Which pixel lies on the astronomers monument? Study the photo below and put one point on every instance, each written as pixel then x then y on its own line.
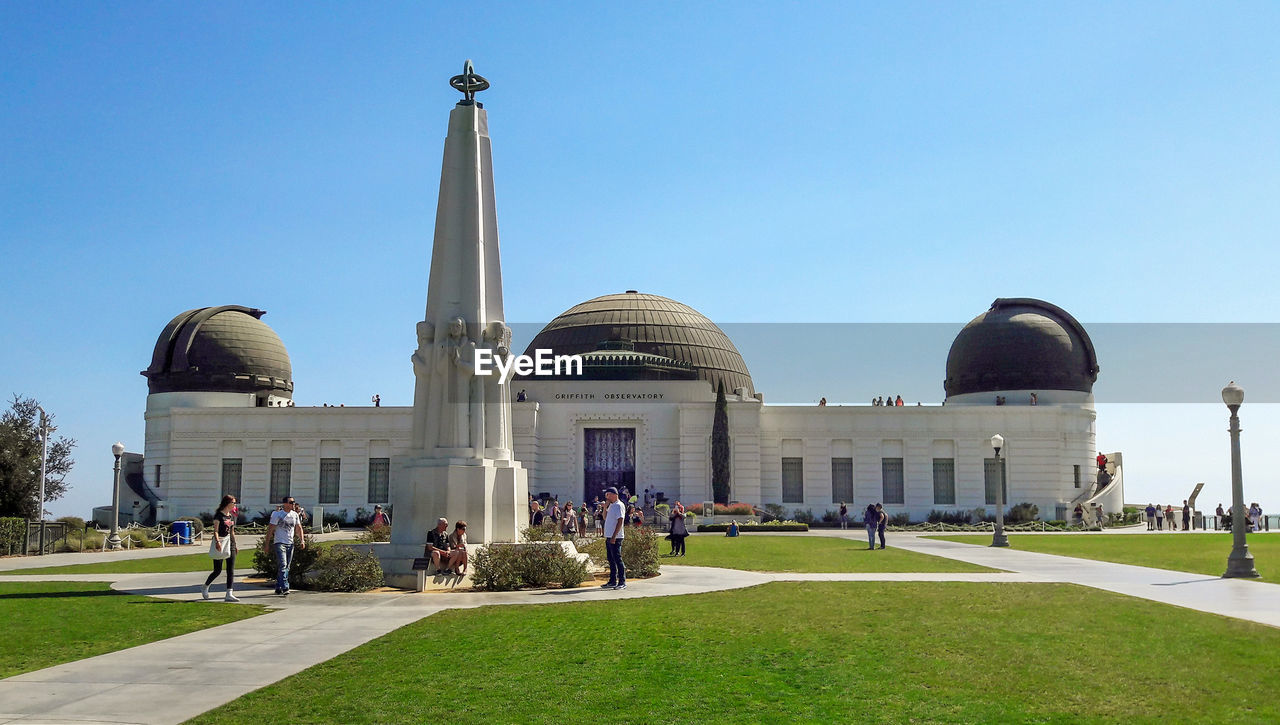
pixel 460 463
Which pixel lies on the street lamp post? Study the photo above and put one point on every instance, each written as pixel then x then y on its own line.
pixel 113 541
pixel 44 456
pixel 998 538
pixel 1240 562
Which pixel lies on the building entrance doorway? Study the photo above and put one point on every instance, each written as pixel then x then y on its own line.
pixel 608 459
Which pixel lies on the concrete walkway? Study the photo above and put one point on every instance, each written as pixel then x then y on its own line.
pixel 169 681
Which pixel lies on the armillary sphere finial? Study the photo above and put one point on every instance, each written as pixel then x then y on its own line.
pixel 469 83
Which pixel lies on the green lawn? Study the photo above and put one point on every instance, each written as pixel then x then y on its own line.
pixel 1198 553
pixel 792 652
pixel 160 564
pixel 48 623
pixel 766 552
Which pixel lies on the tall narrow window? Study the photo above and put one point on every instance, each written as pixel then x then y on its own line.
pixel 330 479
pixel 1075 475
pixel 792 480
pixel 379 480
pixel 993 476
pixel 841 480
pixel 891 473
pixel 944 481
pixel 231 468
pixel 281 473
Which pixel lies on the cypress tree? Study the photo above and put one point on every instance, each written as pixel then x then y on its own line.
pixel 720 448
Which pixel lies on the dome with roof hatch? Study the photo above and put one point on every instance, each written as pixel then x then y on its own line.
pixel 634 336
pixel 226 349
pixel 1021 344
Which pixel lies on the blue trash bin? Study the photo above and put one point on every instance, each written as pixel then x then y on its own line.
pixel 181 532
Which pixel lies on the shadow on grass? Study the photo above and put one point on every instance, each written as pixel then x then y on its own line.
pixel 59 595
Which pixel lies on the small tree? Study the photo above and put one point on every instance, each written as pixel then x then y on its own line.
pixel 720 448
pixel 20 450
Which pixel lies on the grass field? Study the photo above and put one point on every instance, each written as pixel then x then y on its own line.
pixel 1198 553
pixel 765 552
pixel 160 564
pixel 48 623
pixel 787 652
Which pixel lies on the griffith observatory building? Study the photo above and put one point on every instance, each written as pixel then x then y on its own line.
pixel 220 416
pixel 220 419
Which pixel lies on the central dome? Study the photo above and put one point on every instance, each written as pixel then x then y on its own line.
pixel 653 326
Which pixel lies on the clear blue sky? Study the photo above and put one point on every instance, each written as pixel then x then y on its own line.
pixel 762 162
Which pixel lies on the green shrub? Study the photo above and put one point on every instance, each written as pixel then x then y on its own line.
pixel 206 518
pixel 545 532
pixel 532 565
pixel 640 552
pixel 804 516
pixel 773 512
pixel 73 523
pixel 332 519
pixel 948 517
pixel 372 534
pixel 1022 513
pixel 344 569
pixel 264 562
pixel 13 535
pixel 902 519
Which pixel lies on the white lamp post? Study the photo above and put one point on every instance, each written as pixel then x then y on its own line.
pixel 44 456
pixel 113 541
pixel 1240 562
pixel 998 538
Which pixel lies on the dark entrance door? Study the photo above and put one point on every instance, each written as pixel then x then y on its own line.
pixel 608 459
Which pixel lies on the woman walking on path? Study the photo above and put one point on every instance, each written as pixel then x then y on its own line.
pixel 678 530
pixel 871 519
pixel 223 546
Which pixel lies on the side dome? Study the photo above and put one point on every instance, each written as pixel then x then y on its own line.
pixel 1021 344
pixel 652 337
pixel 225 349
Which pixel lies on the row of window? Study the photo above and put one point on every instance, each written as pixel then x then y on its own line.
pixel 330 479
pixel 893 483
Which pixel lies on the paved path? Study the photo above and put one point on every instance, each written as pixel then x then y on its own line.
pixel 165 681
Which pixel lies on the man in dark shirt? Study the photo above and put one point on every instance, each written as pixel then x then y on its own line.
pixel 438 547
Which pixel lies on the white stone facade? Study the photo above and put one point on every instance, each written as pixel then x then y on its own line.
pixel 1044 445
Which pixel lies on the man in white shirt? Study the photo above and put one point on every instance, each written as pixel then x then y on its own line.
pixel 615 517
pixel 281 532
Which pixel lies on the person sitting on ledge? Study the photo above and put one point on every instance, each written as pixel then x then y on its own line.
pixel 733 529
pixel 458 540
pixel 438 548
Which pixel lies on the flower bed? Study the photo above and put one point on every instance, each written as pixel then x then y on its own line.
pixel 756 528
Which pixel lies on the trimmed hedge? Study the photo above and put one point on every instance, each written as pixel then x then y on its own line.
pixel 13 535
pixel 749 528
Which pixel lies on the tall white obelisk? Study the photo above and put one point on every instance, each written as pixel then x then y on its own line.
pixel 460 465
